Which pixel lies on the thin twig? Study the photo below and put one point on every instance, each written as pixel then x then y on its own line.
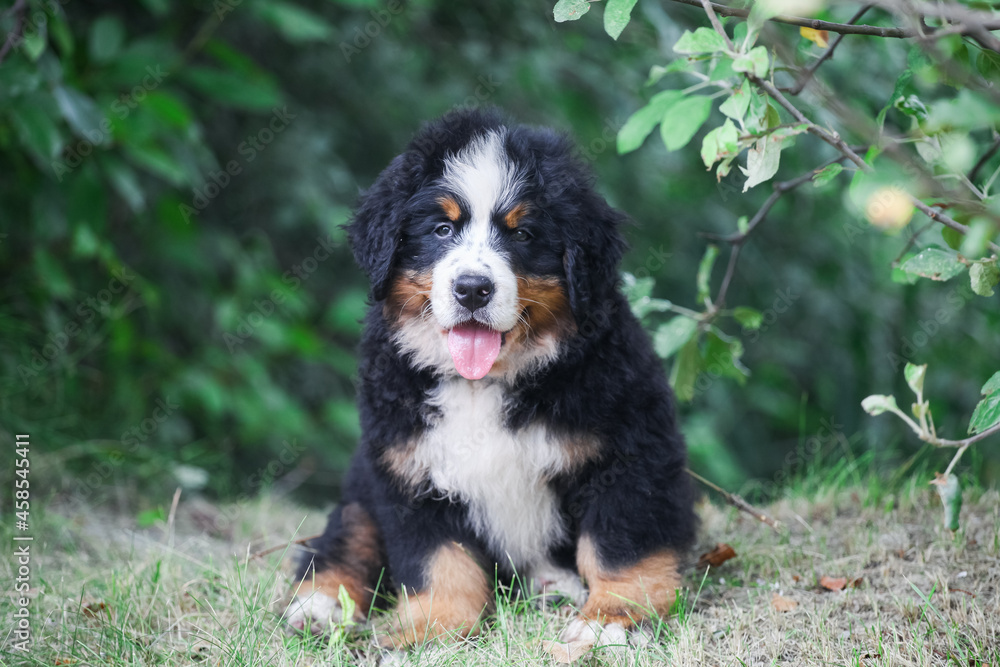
pixel 827 55
pixel 738 239
pixel 946 220
pixel 910 242
pixel 990 152
pixel 708 7
pixel 300 542
pixel 839 28
pixel 829 137
pixel 738 502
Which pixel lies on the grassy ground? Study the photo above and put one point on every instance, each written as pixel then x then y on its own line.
pixel 185 592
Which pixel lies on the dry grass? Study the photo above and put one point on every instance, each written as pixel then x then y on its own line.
pixel 107 593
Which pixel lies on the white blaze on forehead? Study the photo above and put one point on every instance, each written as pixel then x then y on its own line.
pixel 484 177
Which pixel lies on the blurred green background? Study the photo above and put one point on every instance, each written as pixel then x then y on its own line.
pixel 178 304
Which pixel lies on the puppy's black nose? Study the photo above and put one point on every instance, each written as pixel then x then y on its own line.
pixel 473 291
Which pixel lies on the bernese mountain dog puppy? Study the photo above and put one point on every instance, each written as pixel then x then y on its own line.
pixel 516 423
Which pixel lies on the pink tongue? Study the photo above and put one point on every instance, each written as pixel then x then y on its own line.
pixel 473 348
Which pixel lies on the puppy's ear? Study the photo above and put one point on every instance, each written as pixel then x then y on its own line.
pixel 376 229
pixel 592 257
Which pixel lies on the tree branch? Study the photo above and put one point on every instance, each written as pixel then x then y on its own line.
pixel 737 240
pixel 839 28
pixel 737 502
pixel 946 220
pixel 827 55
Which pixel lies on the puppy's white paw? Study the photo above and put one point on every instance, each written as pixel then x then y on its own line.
pixel 582 631
pixel 581 636
pixel 313 613
pixel 551 583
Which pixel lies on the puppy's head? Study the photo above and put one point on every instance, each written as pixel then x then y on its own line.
pixel 486 246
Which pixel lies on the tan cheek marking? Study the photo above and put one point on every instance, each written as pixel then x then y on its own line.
pixel 408 295
pixel 450 208
pixel 451 606
pixel 513 217
pixel 546 306
pixel 624 595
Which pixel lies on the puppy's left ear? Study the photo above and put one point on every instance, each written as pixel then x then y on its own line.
pixel 376 229
pixel 594 250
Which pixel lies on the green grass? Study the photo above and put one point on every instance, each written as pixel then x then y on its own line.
pixel 187 592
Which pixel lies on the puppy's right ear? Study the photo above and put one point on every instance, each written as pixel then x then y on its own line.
pixel 376 229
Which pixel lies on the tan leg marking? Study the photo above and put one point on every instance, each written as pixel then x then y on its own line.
pixel 625 595
pixel 451 606
pixel 356 567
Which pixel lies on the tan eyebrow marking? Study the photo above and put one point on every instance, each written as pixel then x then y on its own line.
pixel 451 208
pixel 513 217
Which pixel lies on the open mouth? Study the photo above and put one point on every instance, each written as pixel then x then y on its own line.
pixel 474 347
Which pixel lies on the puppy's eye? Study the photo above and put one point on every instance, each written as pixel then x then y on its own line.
pixel 522 235
pixel 444 231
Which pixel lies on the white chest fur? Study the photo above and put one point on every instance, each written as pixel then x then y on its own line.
pixel 501 475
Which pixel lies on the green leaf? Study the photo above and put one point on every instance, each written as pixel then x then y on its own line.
pixel 107 34
pixel 673 335
pixel 37 131
pixel 52 275
pixel 952 237
pixel 617 15
pixel 755 62
pixel 169 108
pixel 951 499
pixel 722 357
pixel 82 115
pixel 934 263
pixel 827 174
pixel 296 24
pixel 641 123
pixel 685 370
pixel 233 89
pixel 705 272
pixel 915 377
pixel 570 10
pixel 720 143
pixel 702 40
pixel 912 106
pixel 771 117
pixel 682 120
pixel 762 161
pixel 988 64
pixel 742 224
pixel 347 604
pixel 722 67
pixel 984 276
pixel 158 162
pixel 986 415
pixel 877 404
pixel 736 105
pixel 657 72
pixel 992 385
pixel 748 317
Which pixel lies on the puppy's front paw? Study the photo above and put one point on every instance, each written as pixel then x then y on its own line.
pixel 313 613
pixel 581 635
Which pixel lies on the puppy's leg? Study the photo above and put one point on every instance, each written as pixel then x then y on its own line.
pixel 349 554
pixel 621 595
pixel 447 604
